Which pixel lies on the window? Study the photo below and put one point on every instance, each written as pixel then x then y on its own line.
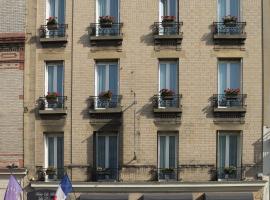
pixel 228 7
pixel 168 79
pixel 229 154
pixel 168 8
pixel 56 8
pixel 107 80
pixel 167 155
pixel 54 82
pixel 54 154
pixel 107 155
pixel 229 76
pixel 108 8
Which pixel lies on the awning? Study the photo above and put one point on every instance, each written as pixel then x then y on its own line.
pixel 112 196
pixel 229 196
pixel 167 196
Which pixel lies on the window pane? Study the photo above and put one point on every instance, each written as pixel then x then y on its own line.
pixel 51 152
pixel 172 156
pixel 102 7
pixel 162 151
pixel 234 8
pixel 114 9
pixel 101 79
pixel 113 152
pixel 60 80
pixel 235 74
pixel 61 12
pixel 172 11
pixel 52 8
pixel 113 79
pixel 173 77
pixel 50 78
pixel 60 152
pixel 101 151
pixel 222 77
pixel 162 76
pixel 222 151
pixel 233 150
pixel 222 9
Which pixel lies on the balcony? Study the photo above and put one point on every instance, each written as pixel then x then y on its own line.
pixel 229 108
pixel 106 34
pixel 53 35
pixel 230 173
pixel 229 33
pixel 52 107
pixel 49 174
pixel 105 110
pixel 168 174
pixel 167 34
pixel 105 175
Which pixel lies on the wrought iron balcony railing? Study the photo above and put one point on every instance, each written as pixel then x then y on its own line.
pixel 168 174
pixel 173 101
pixel 223 100
pixel 97 102
pixel 106 29
pixel 230 173
pixel 50 104
pixel 50 174
pixel 235 28
pixel 56 31
pixel 106 174
pixel 167 28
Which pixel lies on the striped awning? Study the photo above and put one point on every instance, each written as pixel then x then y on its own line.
pixel 229 196
pixel 167 196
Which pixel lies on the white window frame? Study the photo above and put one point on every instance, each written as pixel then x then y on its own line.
pixel 108 3
pixel 228 9
pixel 167 135
pixel 227 154
pixel 55 65
pixel 107 135
pixel 107 64
pixel 46 138
pixel 161 11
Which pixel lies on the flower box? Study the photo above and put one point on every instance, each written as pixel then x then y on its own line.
pixel 231 93
pixel 229 20
pixel 168 21
pixel 166 94
pixel 105 95
pixel 106 21
pixel 52 23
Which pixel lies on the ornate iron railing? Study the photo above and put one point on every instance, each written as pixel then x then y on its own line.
pixel 168 174
pixel 223 100
pixel 235 28
pixel 58 103
pixel 106 29
pixel 173 101
pixel 106 174
pixel 97 102
pixel 167 28
pixel 58 30
pixel 230 173
pixel 51 173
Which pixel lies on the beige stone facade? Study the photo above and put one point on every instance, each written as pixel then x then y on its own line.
pixel 197 129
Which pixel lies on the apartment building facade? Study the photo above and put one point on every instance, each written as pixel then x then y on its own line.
pixel 142 97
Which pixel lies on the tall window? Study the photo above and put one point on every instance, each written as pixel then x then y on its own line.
pixel 229 154
pixel 108 8
pixel 107 80
pixel 167 155
pixel 168 8
pixel 228 7
pixel 107 155
pixel 56 8
pixel 54 154
pixel 54 82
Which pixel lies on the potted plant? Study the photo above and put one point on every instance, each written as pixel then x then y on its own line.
pixel 51 97
pixel 167 21
pixel 103 173
pixel 229 171
pixel 40 173
pixel 51 172
pixel 107 95
pixel 166 94
pixel 52 23
pixel 231 93
pixel 229 20
pixel 106 21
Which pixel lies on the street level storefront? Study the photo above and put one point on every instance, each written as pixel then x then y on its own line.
pixel 249 190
